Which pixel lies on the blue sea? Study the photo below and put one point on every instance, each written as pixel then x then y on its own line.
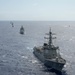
pixel 16 50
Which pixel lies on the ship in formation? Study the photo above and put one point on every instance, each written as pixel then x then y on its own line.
pixel 12 24
pixel 49 54
pixel 22 30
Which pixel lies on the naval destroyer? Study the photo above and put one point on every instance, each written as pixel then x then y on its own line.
pixel 49 54
pixel 21 30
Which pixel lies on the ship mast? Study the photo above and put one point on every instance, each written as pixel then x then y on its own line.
pixel 50 38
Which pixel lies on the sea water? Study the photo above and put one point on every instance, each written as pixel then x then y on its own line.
pixel 16 50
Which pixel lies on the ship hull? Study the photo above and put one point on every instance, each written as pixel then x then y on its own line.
pixel 49 63
pixel 39 56
pixel 53 65
pixel 21 31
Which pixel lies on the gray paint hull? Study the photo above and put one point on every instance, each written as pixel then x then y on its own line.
pixel 53 65
pixel 49 63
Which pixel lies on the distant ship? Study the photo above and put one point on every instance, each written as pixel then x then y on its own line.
pixel 49 55
pixel 21 30
pixel 12 24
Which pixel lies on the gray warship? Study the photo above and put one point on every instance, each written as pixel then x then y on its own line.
pixel 21 30
pixel 49 54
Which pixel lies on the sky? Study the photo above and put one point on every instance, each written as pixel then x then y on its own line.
pixel 37 10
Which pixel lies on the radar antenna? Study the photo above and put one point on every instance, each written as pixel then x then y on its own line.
pixel 50 38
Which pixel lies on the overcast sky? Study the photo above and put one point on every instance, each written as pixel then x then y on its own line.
pixel 49 10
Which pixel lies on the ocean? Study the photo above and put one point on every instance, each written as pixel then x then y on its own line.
pixel 16 50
